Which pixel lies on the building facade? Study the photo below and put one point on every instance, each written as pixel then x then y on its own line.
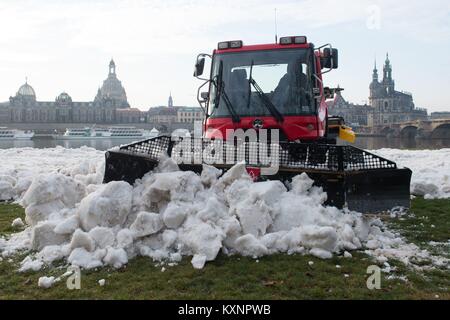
pixel 162 114
pixel 189 114
pixel 390 106
pixel 354 115
pixel 110 105
pixel 386 105
pixel 175 114
pixel 440 115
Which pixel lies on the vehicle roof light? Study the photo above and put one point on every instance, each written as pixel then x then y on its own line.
pixel 300 40
pixel 236 44
pixel 230 44
pixel 293 40
pixel 223 45
pixel 286 40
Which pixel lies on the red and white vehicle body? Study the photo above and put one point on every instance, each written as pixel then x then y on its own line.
pixel 289 76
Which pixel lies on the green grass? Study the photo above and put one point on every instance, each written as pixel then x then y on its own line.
pixel 429 221
pixel 273 277
pixel 9 212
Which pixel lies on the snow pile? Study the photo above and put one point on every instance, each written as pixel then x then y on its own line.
pixel 19 166
pixel 431 170
pixel 169 214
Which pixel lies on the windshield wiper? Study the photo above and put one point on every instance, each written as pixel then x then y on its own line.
pixel 220 86
pixel 234 116
pixel 266 101
pixel 250 85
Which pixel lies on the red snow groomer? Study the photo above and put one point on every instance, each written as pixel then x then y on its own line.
pixel 276 89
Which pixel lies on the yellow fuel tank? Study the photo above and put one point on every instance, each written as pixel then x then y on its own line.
pixel 347 134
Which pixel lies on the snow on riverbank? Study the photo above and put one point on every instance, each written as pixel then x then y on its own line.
pixel 431 170
pixel 169 214
pixel 19 166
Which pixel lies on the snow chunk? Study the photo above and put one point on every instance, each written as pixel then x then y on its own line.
pixel 49 193
pixel 125 238
pixel 46 282
pixel 201 238
pixel 17 223
pixel 237 172
pixel 146 223
pixel 174 215
pixel 198 261
pixel 116 257
pixel 103 237
pixel 210 175
pixel 84 259
pixel 321 253
pixel 248 245
pixel 43 235
pixel 319 237
pixel 53 253
pixel 178 185
pixel 106 207
pixel 7 184
pixel 81 239
pixel 28 264
pixel 68 226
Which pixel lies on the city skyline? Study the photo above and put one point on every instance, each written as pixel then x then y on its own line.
pixel 63 46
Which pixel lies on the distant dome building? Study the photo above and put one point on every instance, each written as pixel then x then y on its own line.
pixel 25 96
pixel 112 93
pixel 27 91
pixel 64 98
pixel 63 101
pixel 109 106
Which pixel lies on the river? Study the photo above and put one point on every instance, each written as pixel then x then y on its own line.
pixel 369 143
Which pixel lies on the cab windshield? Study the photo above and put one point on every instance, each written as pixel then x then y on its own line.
pixel 262 83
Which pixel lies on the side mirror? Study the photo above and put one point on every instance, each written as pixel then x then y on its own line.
pixel 330 59
pixel 199 66
pixel 204 95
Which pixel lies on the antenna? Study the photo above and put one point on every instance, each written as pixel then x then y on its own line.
pixel 276 27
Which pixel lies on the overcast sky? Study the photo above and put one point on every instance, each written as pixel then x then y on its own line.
pixel 66 45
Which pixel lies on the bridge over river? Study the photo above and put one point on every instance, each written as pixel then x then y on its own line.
pixel 427 129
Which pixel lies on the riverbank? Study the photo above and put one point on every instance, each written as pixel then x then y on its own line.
pixel 278 276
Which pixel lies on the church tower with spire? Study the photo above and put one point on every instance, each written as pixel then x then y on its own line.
pixel 170 102
pixel 388 82
pixel 375 84
pixel 375 72
pixel 390 106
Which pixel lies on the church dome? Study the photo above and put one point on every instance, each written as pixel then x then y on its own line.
pixel 64 97
pixel 26 90
pixel 112 89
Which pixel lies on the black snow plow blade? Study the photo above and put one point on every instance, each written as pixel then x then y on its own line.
pixel 351 177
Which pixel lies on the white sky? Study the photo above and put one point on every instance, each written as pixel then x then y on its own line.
pixel 67 45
